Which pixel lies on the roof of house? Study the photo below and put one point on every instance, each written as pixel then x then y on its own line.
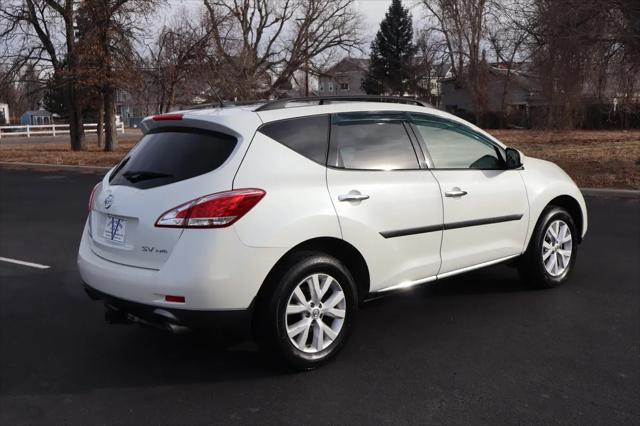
pixel 348 64
pixel 516 74
pixel 441 69
pixel 38 113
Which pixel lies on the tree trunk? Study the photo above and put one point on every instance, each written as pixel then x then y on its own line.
pixel 171 98
pixel 503 98
pixel 111 136
pixel 76 123
pixel 100 128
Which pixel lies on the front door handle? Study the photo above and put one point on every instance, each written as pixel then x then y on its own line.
pixel 352 197
pixel 455 192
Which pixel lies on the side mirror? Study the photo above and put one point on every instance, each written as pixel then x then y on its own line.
pixel 513 159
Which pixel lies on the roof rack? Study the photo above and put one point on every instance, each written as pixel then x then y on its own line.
pixel 202 106
pixel 224 104
pixel 323 100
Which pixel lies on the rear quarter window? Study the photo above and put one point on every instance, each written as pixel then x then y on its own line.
pixel 308 136
pixel 170 156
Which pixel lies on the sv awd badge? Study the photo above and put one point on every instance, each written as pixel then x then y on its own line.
pixel 148 249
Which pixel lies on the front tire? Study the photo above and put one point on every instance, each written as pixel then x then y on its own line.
pixel 310 307
pixel 551 255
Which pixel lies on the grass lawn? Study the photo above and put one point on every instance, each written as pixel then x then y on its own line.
pixel 55 150
pixel 597 159
pixel 594 159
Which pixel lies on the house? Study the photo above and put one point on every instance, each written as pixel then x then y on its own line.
pixel 513 94
pixel 344 78
pixel 437 73
pixel 4 113
pixel 132 109
pixel 36 118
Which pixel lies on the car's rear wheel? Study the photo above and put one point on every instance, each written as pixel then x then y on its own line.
pixel 551 255
pixel 306 316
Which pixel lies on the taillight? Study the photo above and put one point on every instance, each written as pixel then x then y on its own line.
pixel 212 211
pixel 92 197
pixel 167 117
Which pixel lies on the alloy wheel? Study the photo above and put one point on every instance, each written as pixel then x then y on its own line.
pixel 557 246
pixel 315 313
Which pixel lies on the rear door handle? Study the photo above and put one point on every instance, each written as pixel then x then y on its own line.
pixel 455 192
pixel 352 197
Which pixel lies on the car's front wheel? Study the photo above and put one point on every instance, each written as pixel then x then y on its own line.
pixel 551 255
pixel 311 306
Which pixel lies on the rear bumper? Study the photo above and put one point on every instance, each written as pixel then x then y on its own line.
pixel 171 319
pixel 213 271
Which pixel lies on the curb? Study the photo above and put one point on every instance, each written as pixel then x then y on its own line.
pixel 587 192
pixel 611 193
pixel 66 167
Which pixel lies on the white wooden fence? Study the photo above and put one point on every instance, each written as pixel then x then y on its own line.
pixel 49 129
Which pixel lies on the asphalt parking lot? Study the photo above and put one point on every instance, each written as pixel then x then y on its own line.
pixel 476 349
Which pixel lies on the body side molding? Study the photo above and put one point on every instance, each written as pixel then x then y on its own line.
pixel 447 226
pixel 478 222
pixel 411 231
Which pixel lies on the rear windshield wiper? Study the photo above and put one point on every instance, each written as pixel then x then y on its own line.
pixel 118 168
pixel 140 175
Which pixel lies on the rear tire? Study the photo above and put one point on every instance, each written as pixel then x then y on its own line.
pixel 307 311
pixel 551 255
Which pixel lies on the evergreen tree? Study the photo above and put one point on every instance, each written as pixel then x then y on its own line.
pixel 54 99
pixel 391 53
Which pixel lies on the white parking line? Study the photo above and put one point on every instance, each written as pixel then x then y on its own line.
pixel 23 263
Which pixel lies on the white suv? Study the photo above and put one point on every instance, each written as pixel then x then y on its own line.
pixel 286 215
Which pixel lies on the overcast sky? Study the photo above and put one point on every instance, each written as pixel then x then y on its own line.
pixel 372 11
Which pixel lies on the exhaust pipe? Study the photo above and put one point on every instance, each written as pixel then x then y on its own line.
pixel 115 316
pixel 163 320
pixel 177 329
pixel 171 321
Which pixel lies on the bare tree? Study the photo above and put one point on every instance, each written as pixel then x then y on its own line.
pixel 258 45
pixel 177 60
pixel 624 55
pixel 509 31
pixel 564 36
pixel 144 86
pixel 109 29
pixel 462 25
pixel 428 57
pixel 21 87
pixel 43 31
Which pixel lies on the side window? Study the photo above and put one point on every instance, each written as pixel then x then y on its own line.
pixel 453 147
pixel 308 136
pixel 370 144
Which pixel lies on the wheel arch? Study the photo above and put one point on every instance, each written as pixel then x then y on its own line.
pixel 338 248
pixel 567 202
pixel 572 206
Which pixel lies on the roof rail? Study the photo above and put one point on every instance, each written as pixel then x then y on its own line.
pixel 323 100
pixel 224 104
pixel 203 106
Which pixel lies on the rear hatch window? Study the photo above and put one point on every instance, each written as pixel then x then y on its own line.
pixel 172 155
